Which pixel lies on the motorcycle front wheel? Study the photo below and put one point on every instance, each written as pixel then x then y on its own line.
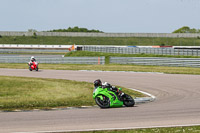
pixel 105 103
pixel 30 69
pixel 128 101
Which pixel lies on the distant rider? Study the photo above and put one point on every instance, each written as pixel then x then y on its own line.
pixel 98 83
pixel 32 60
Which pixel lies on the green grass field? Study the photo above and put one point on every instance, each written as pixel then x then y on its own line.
pixel 131 41
pixel 31 93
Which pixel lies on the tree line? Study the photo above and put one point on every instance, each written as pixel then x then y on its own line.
pixel 75 29
pixel 186 29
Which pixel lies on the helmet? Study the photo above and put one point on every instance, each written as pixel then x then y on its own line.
pixel 32 57
pixel 97 83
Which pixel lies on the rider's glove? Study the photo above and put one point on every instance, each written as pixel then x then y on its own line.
pixel 121 94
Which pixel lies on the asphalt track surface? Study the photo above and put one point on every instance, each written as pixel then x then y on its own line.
pixel 177 103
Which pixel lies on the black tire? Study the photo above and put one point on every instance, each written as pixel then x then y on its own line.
pixel 128 101
pixel 30 69
pixel 103 103
pixel 36 68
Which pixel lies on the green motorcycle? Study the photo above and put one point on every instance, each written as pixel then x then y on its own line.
pixel 106 98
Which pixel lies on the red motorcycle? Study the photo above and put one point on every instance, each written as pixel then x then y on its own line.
pixel 33 66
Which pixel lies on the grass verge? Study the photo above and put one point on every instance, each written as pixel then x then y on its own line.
pixel 145 41
pixel 190 129
pixel 31 93
pixel 89 53
pixel 108 55
pixel 110 67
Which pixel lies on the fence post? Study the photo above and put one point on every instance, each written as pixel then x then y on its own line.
pixel 98 60
pixel 183 52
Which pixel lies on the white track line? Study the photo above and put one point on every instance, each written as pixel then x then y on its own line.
pixel 119 71
pixel 146 93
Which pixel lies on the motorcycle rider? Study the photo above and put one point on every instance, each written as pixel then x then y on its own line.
pixel 32 60
pixel 98 83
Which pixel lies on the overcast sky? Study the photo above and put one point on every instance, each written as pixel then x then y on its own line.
pixel 143 16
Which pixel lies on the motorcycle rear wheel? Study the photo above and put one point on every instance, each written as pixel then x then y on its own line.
pixel 105 103
pixel 128 101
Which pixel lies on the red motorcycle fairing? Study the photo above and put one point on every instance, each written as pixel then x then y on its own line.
pixel 33 66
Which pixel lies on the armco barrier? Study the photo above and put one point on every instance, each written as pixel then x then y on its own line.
pixel 26 48
pixel 55 60
pixel 178 62
pixel 35 46
pixel 136 50
pixel 9 51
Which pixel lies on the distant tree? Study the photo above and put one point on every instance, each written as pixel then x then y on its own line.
pixel 32 30
pixel 186 29
pixel 193 30
pixel 75 29
pixel 69 29
pixel 34 35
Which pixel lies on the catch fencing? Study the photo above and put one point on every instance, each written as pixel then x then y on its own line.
pixel 136 50
pixel 177 62
pixel 54 60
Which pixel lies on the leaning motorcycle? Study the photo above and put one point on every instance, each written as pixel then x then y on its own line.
pixel 33 66
pixel 106 98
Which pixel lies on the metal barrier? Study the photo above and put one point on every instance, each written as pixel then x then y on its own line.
pixel 35 46
pixel 135 50
pixel 55 60
pixel 178 62
pixel 105 49
pixel 7 51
